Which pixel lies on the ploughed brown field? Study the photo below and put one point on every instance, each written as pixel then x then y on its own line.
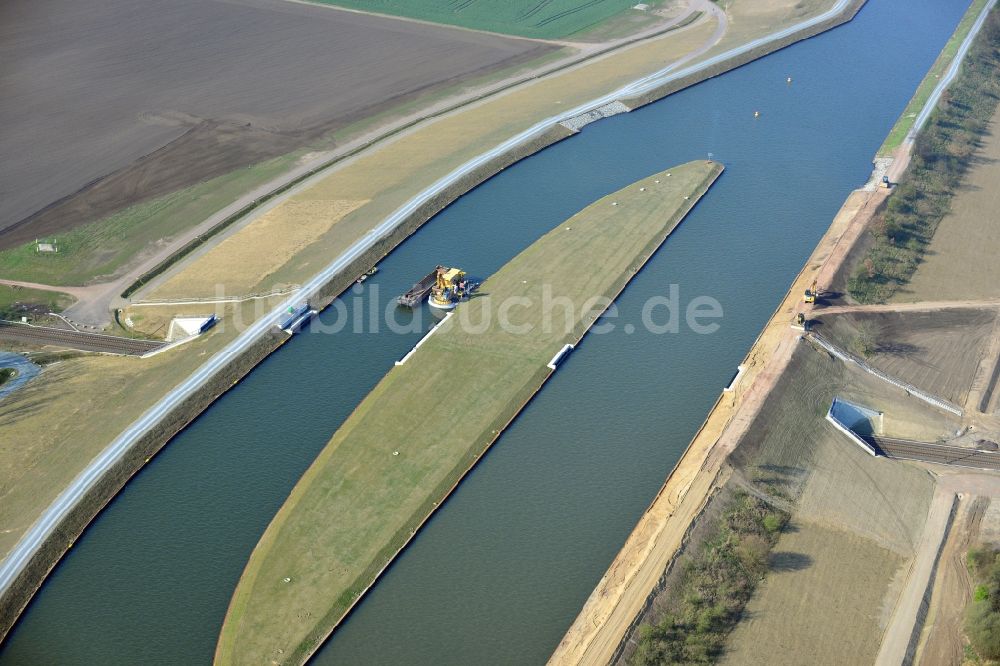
pixel 114 102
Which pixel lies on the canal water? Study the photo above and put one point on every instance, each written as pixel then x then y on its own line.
pixel 502 569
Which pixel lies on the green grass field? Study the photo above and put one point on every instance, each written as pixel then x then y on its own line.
pixel 926 87
pixel 541 19
pixel 427 422
pixel 102 248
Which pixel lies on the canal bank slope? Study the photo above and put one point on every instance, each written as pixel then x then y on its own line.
pixel 410 442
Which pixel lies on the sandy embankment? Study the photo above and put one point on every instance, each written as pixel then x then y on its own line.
pixel 609 613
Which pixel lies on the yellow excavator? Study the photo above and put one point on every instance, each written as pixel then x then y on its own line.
pixel 811 292
pixel 449 288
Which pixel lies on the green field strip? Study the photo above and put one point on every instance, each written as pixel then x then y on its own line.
pixel 540 19
pixel 905 122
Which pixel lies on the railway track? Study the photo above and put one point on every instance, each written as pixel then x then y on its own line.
pixel 92 342
pixel 941 454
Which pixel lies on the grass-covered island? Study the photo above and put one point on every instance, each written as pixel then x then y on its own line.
pixel 406 446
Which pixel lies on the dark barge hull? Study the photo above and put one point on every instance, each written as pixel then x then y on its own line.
pixel 416 295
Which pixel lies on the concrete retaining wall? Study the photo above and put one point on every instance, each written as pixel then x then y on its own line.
pixel 831 416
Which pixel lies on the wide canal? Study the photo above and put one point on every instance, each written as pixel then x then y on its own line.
pixel 501 571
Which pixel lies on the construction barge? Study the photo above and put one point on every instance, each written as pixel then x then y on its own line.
pixel 416 295
pixel 445 287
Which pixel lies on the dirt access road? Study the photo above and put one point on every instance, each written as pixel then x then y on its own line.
pixel 117 101
pixel 927 619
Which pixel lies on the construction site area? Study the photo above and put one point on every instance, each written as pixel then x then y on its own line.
pixel 867 434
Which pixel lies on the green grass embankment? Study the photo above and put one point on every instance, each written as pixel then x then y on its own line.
pixel 428 421
pixel 905 122
pixel 16 301
pixel 942 154
pixel 104 247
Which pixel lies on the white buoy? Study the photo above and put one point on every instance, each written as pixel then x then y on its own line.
pixel 756 114
pixel 788 80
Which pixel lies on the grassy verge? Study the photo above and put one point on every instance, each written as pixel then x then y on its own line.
pixel 982 622
pixel 927 85
pixel 942 154
pixel 18 301
pixel 103 248
pixel 427 422
pixel 716 585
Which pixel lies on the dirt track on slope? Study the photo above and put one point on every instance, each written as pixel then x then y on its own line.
pixel 116 102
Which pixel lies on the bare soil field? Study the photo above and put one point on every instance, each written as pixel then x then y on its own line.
pixel 857 519
pixel 820 603
pixel 791 451
pixel 116 102
pixel 939 351
pixel 961 261
pixel 989 529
